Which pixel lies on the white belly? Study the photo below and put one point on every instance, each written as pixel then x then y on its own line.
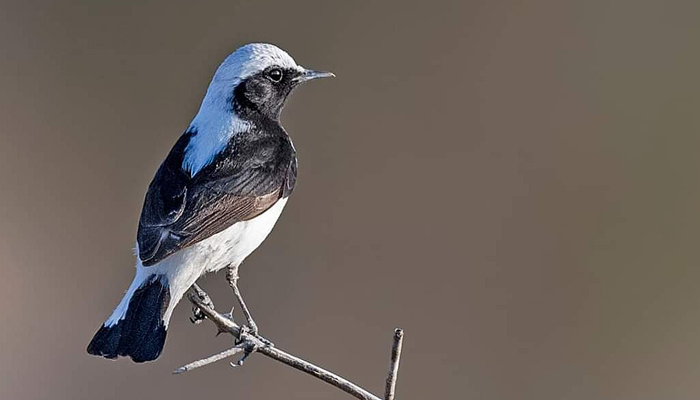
pixel 233 245
pixel 229 247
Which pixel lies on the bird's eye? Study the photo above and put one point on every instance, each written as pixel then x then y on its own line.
pixel 275 74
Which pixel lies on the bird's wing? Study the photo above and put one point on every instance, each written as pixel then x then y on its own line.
pixel 180 211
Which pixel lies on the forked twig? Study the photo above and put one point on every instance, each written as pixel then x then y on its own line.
pixel 247 343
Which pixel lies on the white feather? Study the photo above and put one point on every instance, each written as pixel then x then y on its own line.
pixel 213 129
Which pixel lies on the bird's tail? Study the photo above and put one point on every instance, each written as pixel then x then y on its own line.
pixel 137 328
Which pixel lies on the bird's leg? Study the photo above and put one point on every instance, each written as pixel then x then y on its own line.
pixel 232 278
pixel 197 314
pixel 251 328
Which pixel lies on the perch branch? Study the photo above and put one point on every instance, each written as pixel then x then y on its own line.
pixel 247 342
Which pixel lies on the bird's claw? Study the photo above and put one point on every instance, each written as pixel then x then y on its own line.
pixel 252 328
pixel 248 344
pixel 197 314
pixel 246 330
pixel 248 349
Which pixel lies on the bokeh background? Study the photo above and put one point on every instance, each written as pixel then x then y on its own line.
pixel 513 183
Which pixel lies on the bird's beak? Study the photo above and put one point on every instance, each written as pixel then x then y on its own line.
pixel 310 74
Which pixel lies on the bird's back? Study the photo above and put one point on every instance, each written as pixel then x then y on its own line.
pixel 255 170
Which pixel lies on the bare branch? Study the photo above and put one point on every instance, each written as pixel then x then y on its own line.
pixel 246 340
pixel 205 361
pixel 394 365
pixel 320 373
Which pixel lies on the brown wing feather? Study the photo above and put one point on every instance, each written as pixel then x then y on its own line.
pixel 243 182
pixel 222 214
pixel 210 219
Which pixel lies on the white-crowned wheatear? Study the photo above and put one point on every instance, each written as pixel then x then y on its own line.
pixel 213 200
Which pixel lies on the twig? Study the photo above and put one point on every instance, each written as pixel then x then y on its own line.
pixel 245 340
pixel 216 357
pixel 394 365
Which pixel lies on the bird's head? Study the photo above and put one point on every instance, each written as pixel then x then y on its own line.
pixel 252 84
pixel 256 79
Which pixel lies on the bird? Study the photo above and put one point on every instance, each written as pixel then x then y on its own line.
pixel 213 200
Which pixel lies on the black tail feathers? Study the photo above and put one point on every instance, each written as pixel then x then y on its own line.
pixel 141 333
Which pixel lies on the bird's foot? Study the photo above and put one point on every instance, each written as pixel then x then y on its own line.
pixel 248 331
pixel 197 314
pixel 250 342
pixel 251 328
pixel 249 347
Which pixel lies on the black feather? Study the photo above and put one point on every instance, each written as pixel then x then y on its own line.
pixel 141 334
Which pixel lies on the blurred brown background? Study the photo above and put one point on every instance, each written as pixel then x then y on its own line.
pixel 514 184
